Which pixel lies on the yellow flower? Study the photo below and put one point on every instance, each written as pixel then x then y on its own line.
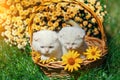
pixel 36 27
pixel 92 1
pixel 44 27
pixel 81 25
pixel 58 6
pixel 26 21
pixel 66 17
pixel 89 25
pixel 80 0
pixel 51 28
pixel 1 21
pixel 19 7
pixel 35 56
pixel 93 53
pixel 52 59
pixel 102 13
pixel 36 19
pixel 2 9
pixel 9 2
pixel 93 20
pixel 91 7
pixel 64 24
pixel 71 60
pixel 42 23
pixel 12 7
pixel 78 19
pixel 88 16
pixel 26 12
pixel 3 16
pixel 85 23
pixel 52 7
pixel 17 0
pixel 8 21
pixel 55 24
pixel 50 23
pixel 96 31
pixel 98 3
pixel 54 17
pixel 20 29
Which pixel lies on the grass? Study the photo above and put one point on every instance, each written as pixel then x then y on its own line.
pixel 18 65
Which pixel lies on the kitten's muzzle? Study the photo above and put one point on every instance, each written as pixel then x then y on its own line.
pixel 46 50
pixel 70 48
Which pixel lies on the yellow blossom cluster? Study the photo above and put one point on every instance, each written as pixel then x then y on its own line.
pixel 96 6
pixel 48 60
pixel 47 15
pixel 37 58
pixel 15 21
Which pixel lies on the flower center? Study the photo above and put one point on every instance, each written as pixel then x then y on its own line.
pixel 71 61
pixel 93 53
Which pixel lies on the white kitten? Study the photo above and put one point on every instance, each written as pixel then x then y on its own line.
pixel 72 38
pixel 46 42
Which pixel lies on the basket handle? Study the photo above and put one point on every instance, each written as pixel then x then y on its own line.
pixel 30 30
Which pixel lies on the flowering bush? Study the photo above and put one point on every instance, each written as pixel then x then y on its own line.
pixel 47 15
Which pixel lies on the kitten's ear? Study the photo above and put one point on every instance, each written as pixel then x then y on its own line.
pixel 82 33
pixel 35 36
pixel 55 35
pixel 60 35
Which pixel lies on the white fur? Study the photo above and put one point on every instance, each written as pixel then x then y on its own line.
pixel 46 42
pixel 71 37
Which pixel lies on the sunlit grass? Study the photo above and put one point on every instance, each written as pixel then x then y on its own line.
pixel 17 65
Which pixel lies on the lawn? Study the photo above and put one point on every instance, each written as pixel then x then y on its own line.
pixel 18 65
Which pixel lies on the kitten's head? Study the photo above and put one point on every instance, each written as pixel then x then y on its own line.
pixel 45 41
pixel 71 37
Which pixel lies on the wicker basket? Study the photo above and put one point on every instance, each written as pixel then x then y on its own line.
pixel 55 68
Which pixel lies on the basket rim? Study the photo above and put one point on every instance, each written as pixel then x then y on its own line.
pixel 58 64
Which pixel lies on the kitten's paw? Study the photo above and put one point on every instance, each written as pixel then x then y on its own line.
pixel 44 58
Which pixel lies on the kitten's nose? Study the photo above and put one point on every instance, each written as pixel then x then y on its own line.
pixel 70 47
pixel 46 50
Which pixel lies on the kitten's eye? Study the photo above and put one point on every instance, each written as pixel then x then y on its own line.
pixel 51 46
pixel 36 39
pixel 42 46
pixel 67 43
pixel 73 43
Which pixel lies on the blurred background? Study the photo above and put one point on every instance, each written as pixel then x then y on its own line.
pixel 18 65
